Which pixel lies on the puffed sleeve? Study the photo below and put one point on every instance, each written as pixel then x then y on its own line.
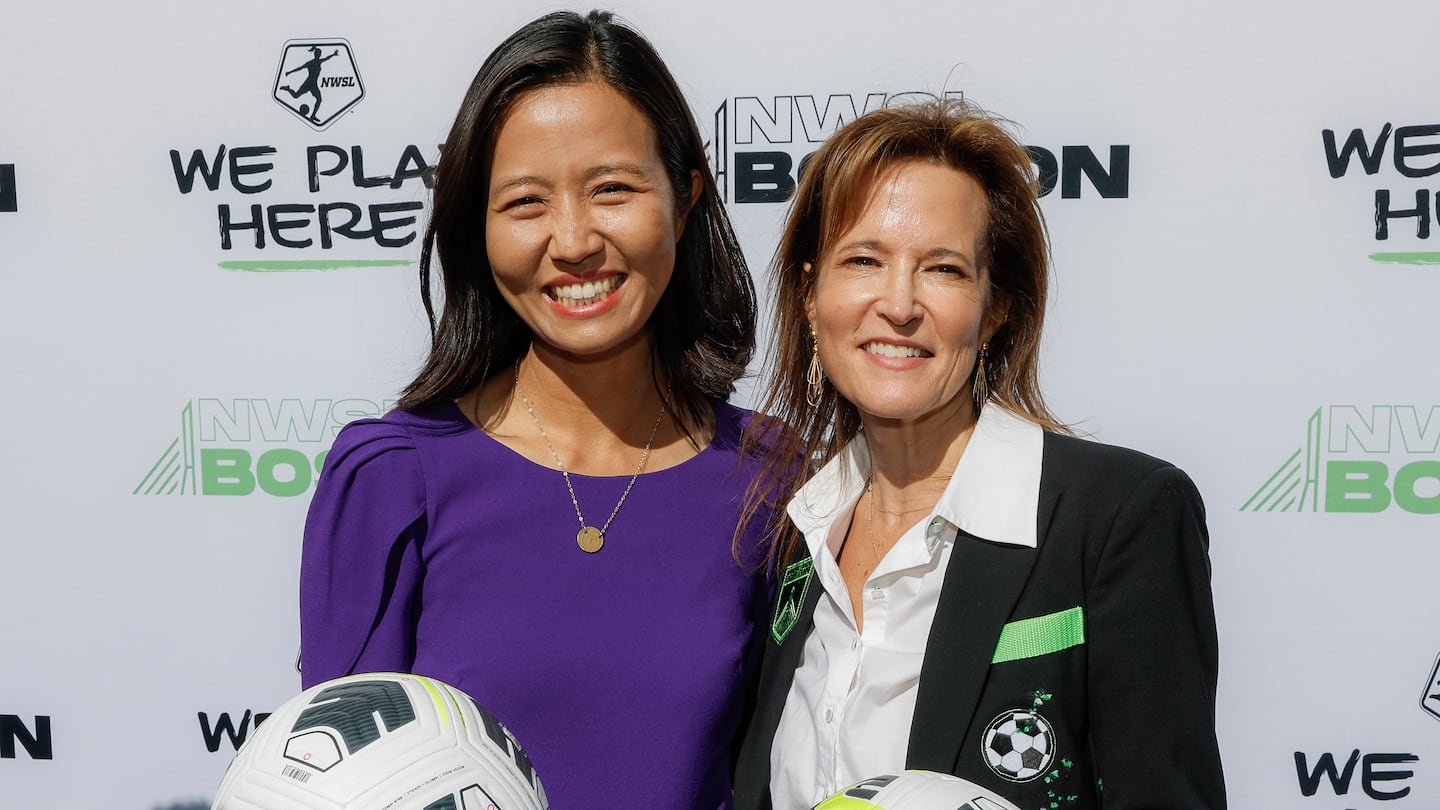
pixel 360 563
pixel 1153 653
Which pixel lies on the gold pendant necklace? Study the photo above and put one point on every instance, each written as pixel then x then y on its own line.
pixel 589 538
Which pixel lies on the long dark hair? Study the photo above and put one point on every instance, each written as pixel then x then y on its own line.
pixel 704 324
pixel 1015 252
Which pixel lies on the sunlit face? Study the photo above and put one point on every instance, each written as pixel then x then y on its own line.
pixel 899 303
pixel 581 222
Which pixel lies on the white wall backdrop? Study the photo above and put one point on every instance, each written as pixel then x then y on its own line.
pixel 1222 300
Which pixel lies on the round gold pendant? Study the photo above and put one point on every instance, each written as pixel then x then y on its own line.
pixel 590 539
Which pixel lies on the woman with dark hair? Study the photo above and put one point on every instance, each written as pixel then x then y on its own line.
pixel 964 587
pixel 545 521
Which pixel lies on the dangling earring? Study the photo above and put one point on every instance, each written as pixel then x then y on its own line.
pixel 981 387
pixel 815 376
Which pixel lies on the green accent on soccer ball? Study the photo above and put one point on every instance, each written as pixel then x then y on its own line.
pixel 440 708
pixel 1040 635
pixel 846 803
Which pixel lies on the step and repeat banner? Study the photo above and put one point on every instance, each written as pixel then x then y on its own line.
pixel 210 219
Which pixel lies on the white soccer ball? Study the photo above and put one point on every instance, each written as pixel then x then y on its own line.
pixel 381 741
pixel 916 790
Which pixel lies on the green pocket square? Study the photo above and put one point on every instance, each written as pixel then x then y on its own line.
pixel 1041 635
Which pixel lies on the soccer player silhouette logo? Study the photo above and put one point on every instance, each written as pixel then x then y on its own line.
pixel 318 80
pixel 310 84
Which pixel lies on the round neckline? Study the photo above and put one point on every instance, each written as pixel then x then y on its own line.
pixel 460 416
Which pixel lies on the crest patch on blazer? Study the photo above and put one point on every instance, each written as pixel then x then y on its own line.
pixel 793 586
pixel 1018 745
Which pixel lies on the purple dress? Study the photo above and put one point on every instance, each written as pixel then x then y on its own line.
pixel 432 548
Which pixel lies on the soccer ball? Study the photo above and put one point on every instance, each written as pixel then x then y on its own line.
pixel 1019 745
pixel 916 790
pixel 381 741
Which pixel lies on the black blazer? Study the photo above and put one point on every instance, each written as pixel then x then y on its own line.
pixel 1129 711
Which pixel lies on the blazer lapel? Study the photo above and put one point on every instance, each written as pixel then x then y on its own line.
pixel 781 659
pixel 777 670
pixel 982 583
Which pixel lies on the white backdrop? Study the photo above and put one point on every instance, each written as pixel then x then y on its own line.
pixel 1227 307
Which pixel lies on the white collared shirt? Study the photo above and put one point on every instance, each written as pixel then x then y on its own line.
pixel 847 715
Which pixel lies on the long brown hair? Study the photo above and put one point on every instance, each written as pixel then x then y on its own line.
pixel 704 324
pixel 1015 254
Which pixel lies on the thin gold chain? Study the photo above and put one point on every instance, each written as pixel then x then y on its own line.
pixel 639 468
pixel 870 515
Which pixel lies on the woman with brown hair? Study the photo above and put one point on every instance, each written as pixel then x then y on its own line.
pixel 964 586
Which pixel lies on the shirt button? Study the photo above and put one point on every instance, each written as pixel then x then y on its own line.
pixel 877 593
pixel 829 715
pixel 936 526
pixel 854 642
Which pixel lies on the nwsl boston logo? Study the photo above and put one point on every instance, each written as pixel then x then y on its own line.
pixel 1359 459
pixel 241 446
pixel 318 80
pixel 762 143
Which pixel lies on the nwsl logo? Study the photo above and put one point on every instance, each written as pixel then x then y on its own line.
pixel 1430 698
pixel 318 81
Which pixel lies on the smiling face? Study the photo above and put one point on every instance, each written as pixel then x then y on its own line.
pixel 899 304
pixel 581 222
